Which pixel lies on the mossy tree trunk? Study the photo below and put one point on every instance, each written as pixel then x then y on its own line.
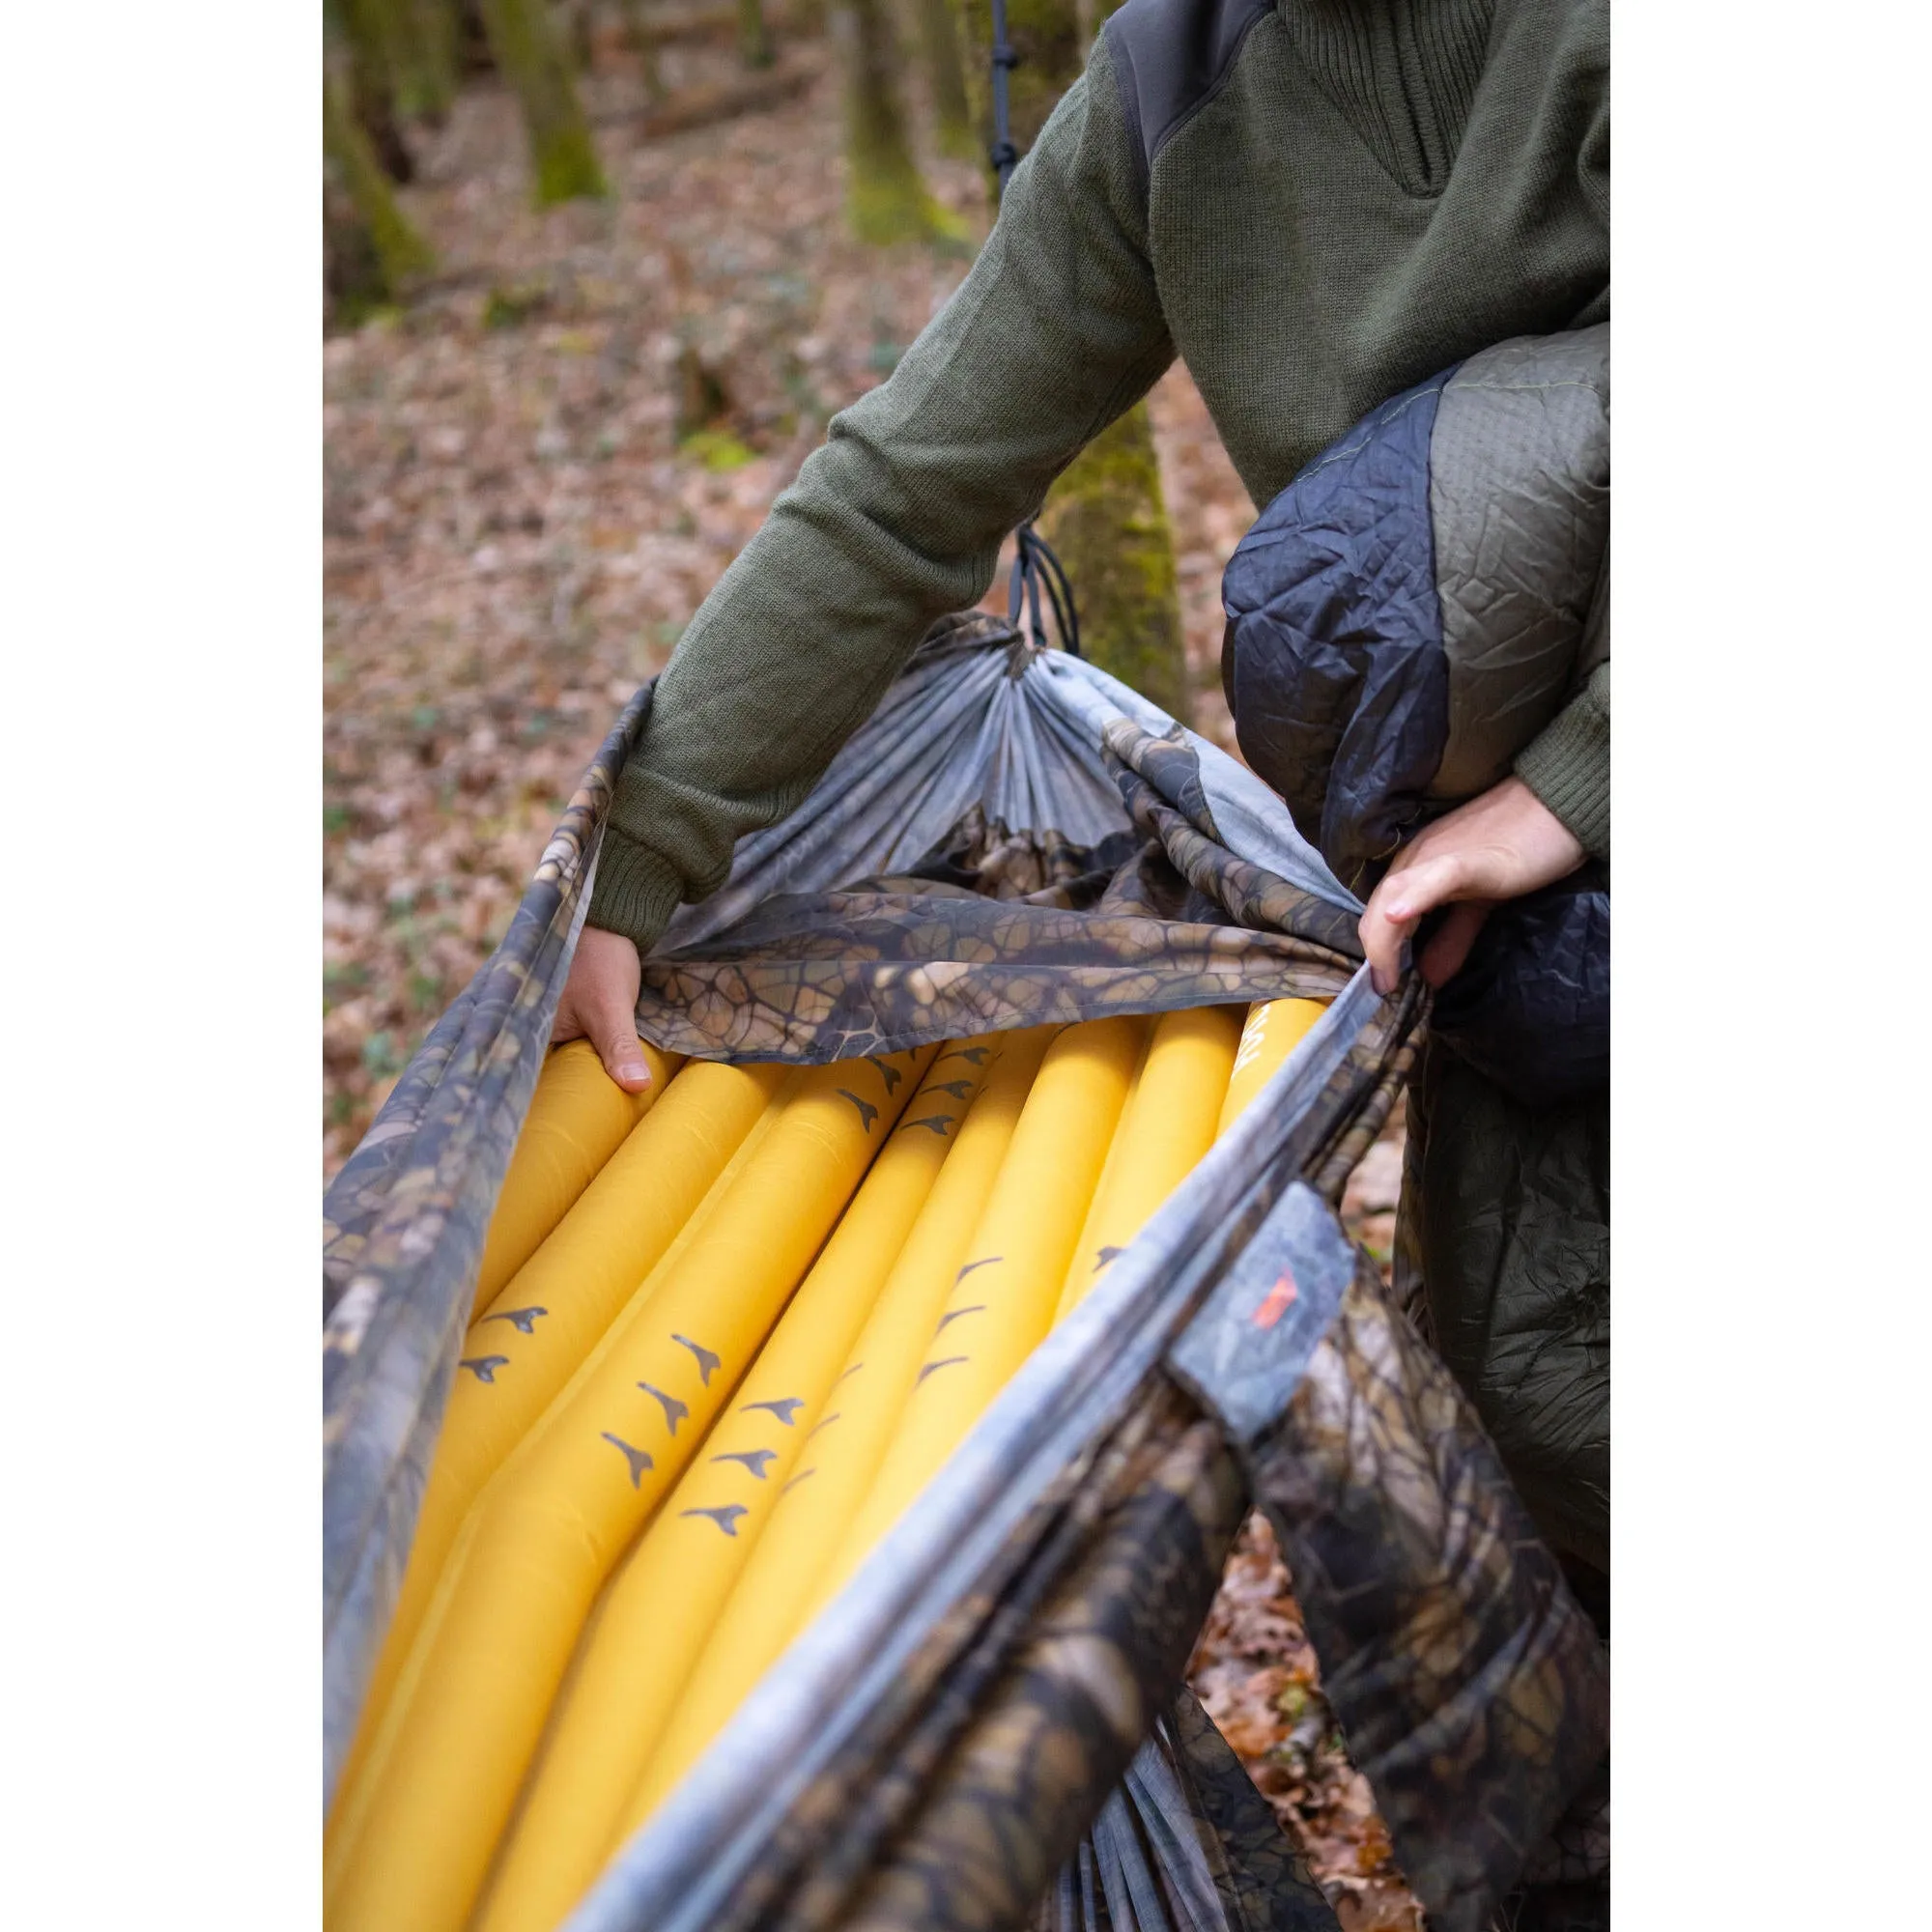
pixel 530 55
pixel 886 198
pixel 371 251
pixel 755 42
pixel 426 52
pixel 371 33
pixel 1105 518
pixel 946 75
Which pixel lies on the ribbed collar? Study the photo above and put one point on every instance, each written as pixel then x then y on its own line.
pixel 1403 71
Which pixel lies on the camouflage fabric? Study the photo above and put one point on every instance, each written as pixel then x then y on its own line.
pixel 1472 1688
pixel 403 1228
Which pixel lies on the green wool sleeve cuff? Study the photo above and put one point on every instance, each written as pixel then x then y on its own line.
pixel 636 890
pixel 1566 765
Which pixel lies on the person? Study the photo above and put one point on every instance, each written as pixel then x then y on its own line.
pixel 1314 205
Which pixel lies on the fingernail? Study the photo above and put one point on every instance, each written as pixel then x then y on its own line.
pixel 633 1070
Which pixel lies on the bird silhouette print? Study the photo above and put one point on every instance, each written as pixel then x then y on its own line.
pixel 755 1460
pixel 867 1112
pixel 888 1072
pixel 706 1361
pixel 523 1319
pixel 639 1458
pixel 785 1407
pixel 725 1517
pixel 674 1411
pixel 483 1367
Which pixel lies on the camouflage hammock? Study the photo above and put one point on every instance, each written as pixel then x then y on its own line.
pixel 990 1729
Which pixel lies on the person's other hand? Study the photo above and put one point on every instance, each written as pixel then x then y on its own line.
pixel 600 1005
pixel 1498 846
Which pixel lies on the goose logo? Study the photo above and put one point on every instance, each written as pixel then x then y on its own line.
pixel 639 1458
pixel 755 1460
pixel 674 1411
pixel 523 1319
pixel 888 1072
pixel 936 1123
pixel 971 1265
pixel 706 1361
pixel 785 1408
pixel 959 1089
pixel 483 1367
pixel 933 1368
pixel 976 1053
pixel 727 1517
pixel 953 1314
pixel 867 1112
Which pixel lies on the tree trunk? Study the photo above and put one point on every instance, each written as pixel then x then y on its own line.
pixel 886 200
pixel 755 44
pixel 529 53
pixel 946 75
pixel 371 252
pixel 427 52
pixel 371 33
pixel 1105 517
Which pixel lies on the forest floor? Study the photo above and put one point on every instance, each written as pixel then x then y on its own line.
pixel 532 476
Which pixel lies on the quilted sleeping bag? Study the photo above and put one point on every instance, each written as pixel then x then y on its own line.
pixel 1403 620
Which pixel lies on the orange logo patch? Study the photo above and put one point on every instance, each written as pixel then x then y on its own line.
pixel 1280 1299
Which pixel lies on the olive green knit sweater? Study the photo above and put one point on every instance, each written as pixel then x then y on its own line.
pixel 1367 191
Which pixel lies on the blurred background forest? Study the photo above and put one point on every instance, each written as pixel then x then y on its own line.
pixel 598 272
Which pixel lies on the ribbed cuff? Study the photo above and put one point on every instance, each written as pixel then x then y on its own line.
pixel 635 892
pixel 1566 765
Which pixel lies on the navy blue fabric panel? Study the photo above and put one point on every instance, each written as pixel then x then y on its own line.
pixel 1333 657
pixel 1531 1008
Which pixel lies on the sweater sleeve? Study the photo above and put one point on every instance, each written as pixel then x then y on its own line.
pixel 899 519
pixel 1566 764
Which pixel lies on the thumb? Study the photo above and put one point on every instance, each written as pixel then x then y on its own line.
pixel 604 990
pixel 609 1027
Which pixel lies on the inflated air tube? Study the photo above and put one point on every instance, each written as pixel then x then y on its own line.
pixel 1274 1030
pixel 1009 1284
pixel 666 1596
pixel 841 1455
pixel 537 1331
pixel 1169 1121
pixel 469 1710
pixel 578 1119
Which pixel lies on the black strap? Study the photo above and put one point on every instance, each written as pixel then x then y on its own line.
pixel 1034 565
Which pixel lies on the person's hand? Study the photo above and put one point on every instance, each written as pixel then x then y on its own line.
pixel 1498 846
pixel 600 1005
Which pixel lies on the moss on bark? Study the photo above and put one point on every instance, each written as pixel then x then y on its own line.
pixel 886 197
pixel 1105 517
pixel 946 76
pixel 530 54
pixel 1107 521
pixel 371 251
